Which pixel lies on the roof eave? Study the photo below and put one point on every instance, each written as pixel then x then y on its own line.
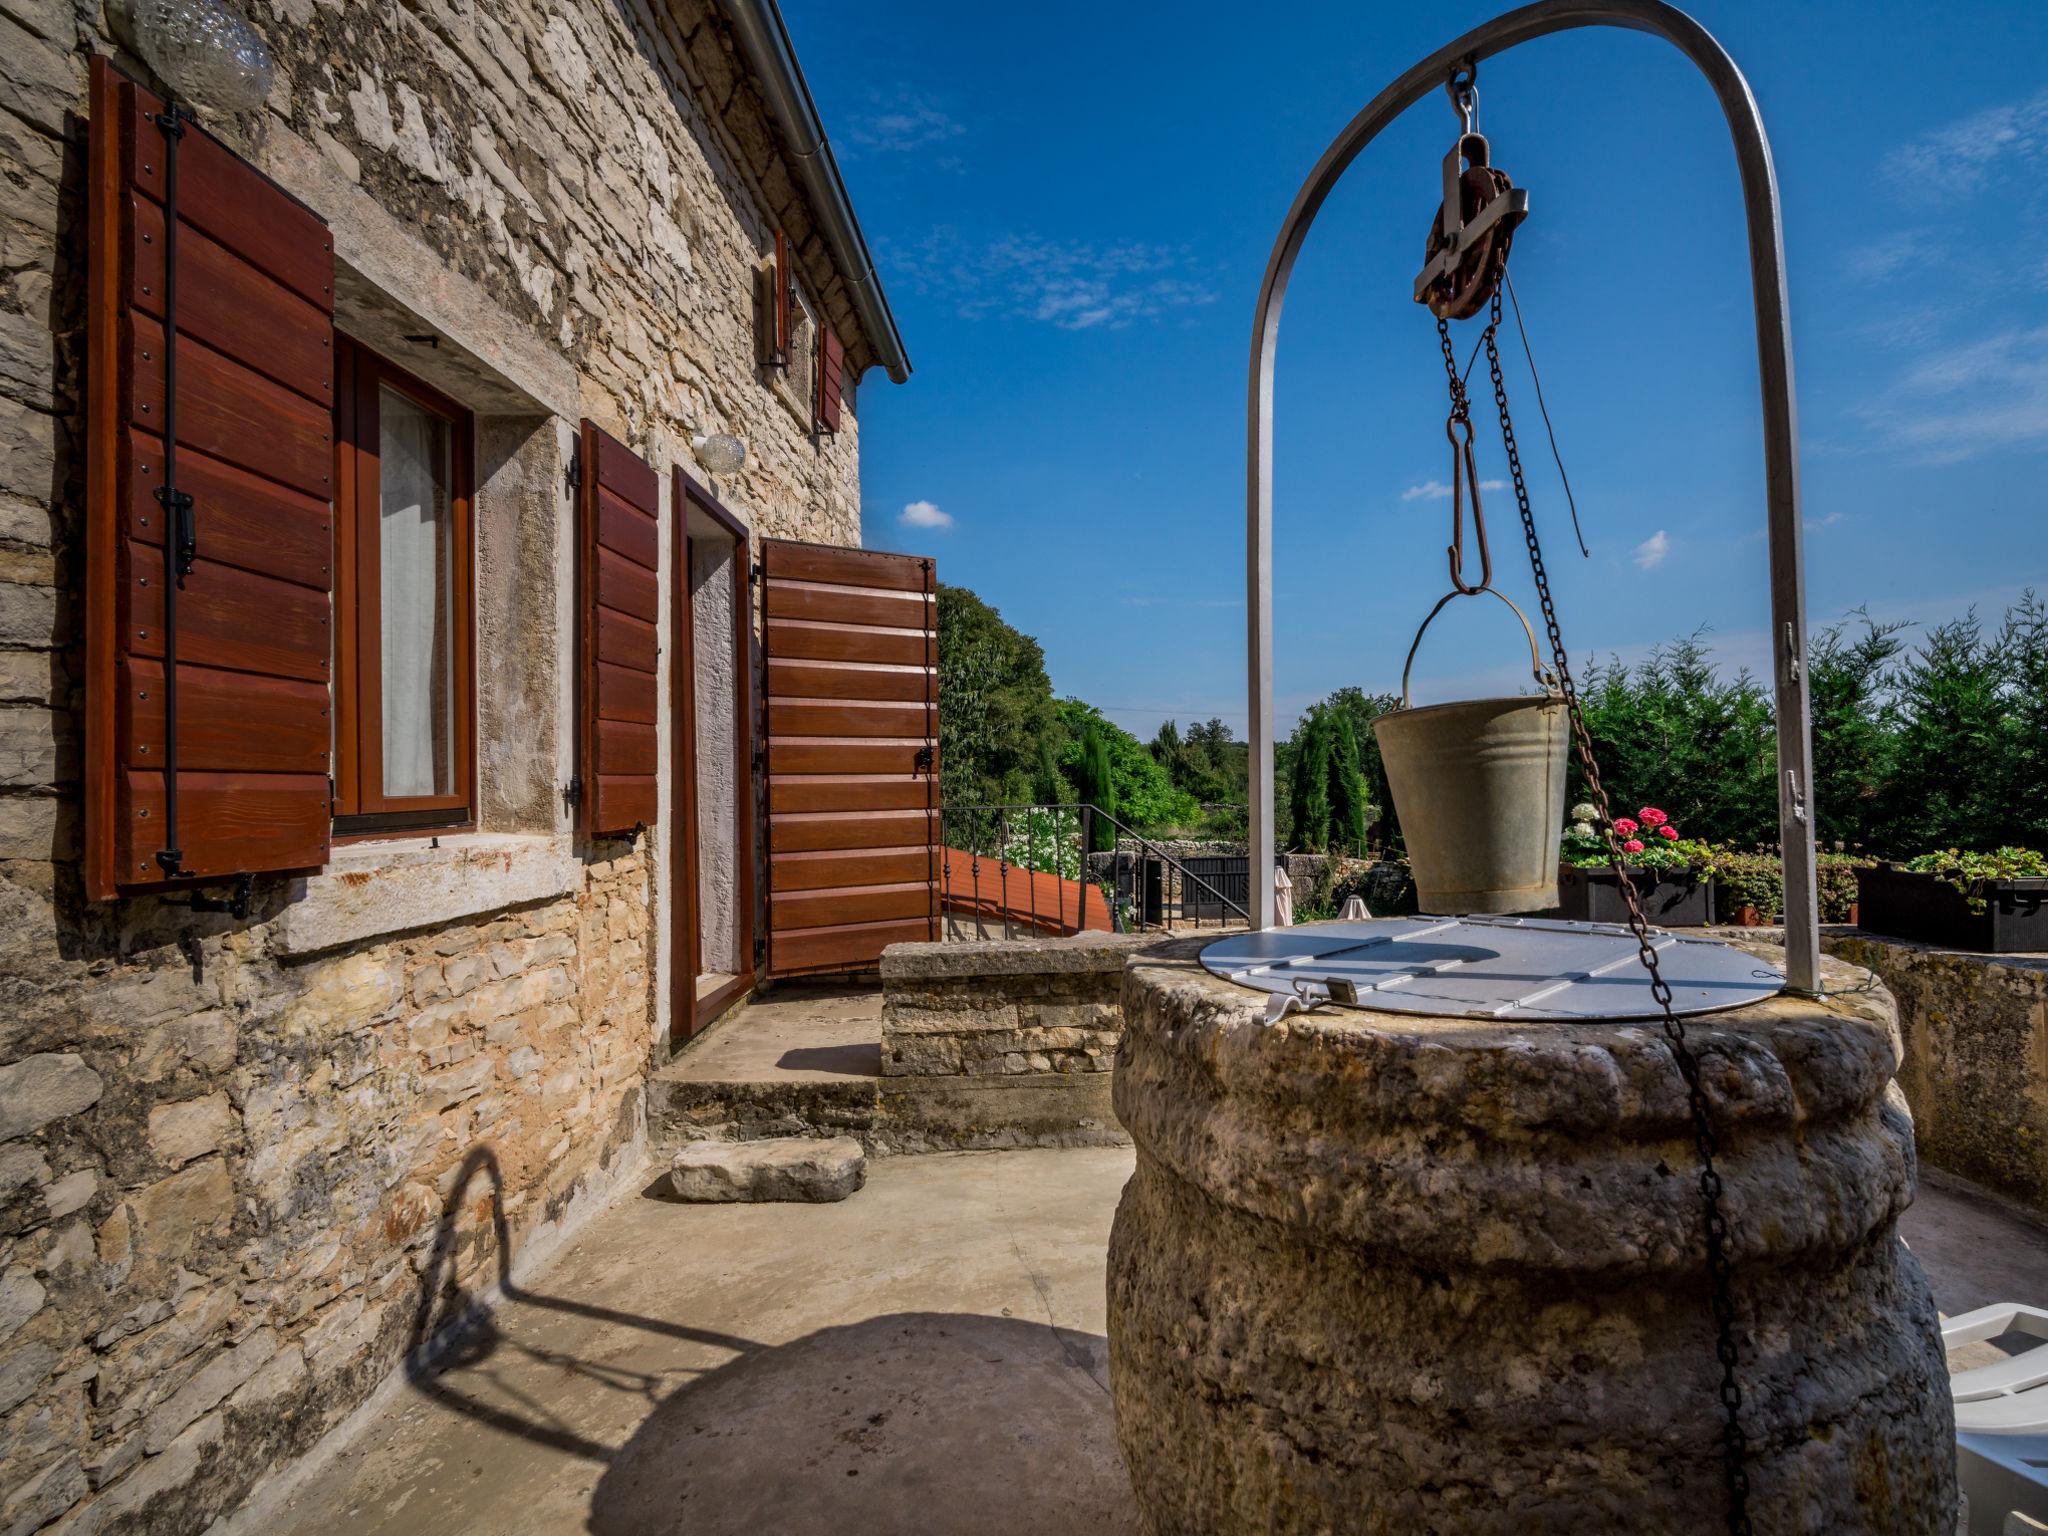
pixel 764 40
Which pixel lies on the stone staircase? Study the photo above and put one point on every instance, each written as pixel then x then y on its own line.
pixel 800 1063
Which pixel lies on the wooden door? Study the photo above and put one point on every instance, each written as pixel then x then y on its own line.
pixel 850 640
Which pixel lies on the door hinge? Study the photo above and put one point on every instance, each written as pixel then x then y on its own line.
pixel 575 471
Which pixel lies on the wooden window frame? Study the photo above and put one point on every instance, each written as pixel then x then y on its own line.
pixel 360 805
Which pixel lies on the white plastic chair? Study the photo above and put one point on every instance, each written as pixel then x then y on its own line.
pixel 2002 1422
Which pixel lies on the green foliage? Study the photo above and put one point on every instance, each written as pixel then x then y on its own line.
pixel 1096 779
pixel 1309 784
pixel 1351 813
pixel 1945 745
pixel 1144 797
pixel 1967 872
pixel 1329 798
pixel 1209 765
pixel 1854 745
pixel 1672 727
pixel 1000 734
pixel 1945 786
pixel 1758 880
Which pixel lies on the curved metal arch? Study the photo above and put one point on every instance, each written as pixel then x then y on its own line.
pixel 1774 368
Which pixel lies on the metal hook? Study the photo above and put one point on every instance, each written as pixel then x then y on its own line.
pixel 1464 476
pixel 1463 88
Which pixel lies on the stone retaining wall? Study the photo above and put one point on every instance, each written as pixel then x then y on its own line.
pixel 1975 1064
pixel 1005 1007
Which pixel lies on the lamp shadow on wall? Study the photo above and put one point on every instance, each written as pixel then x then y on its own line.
pixel 928 1421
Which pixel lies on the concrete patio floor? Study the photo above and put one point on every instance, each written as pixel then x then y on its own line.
pixel 926 1357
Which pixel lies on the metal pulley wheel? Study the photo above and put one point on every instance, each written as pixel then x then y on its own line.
pixel 1467 252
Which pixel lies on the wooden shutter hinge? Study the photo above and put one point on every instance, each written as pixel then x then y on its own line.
pixel 236 905
pixel 572 793
pixel 575 471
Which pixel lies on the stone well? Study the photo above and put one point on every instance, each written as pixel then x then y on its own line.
pixel 1385 1273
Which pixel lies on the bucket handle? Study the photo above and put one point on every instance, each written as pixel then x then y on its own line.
pixel 1544 676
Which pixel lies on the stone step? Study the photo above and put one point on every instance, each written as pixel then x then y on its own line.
pixel 780 1168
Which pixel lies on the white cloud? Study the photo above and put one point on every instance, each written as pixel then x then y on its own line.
pixel 1074 285
pixel 1436 490
pixel 925 514
pixel 1956 160
pixel 903 122
pixel 1961 401
pixel 1650 554
pixel 1891 254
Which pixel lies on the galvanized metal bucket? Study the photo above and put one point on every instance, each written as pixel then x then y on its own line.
pixel 1479 786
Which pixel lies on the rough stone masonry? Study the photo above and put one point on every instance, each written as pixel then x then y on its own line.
pixel 245 1166
pixel 1385 1273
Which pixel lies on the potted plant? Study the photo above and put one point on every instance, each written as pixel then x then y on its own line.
pixel 1673 875
pixel 1995 903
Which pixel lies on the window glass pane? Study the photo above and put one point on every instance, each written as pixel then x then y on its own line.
pixel 416 599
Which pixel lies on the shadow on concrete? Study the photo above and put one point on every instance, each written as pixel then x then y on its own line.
pixel 927 1422
pixel 857 1058
pixel 454 1330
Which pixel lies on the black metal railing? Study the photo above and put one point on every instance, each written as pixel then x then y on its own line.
pixel 1011 869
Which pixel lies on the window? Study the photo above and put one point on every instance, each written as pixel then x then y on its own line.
pixel 403 668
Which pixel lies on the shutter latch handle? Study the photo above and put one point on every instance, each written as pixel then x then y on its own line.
pixel 184 526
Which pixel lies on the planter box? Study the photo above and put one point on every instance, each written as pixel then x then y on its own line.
pixel 1925 907
pixel 1670 899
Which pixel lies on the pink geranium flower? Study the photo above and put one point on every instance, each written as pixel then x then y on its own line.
pixel 1668 831
pixel 1652 817
pixel 1633 845
pixel 1625 827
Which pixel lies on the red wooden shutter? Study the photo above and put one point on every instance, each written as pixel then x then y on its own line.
pixel 784 278
pixel 853 781
pixel 255 366
pixel 620 602
pixel 831 369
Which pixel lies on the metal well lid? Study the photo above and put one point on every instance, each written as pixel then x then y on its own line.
pixel 1498 968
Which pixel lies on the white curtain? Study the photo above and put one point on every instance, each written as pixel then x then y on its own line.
pixel 413 537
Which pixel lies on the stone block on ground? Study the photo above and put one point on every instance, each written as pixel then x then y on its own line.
pixel 783 1168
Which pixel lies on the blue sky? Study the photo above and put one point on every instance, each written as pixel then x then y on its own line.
pixel 1072 207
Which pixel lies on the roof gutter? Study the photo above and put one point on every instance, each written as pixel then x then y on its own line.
pixel 764 40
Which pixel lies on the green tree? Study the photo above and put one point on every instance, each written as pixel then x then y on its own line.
pixel 1854 736
pixel 1944 792
pixel 2021 782
pixel 1096 778
pixel 1672 734
pixel 1309 783
pixel 1145 798
pixel 1350 809
pixel 1000 733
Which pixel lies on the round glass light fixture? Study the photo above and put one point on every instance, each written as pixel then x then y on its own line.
pixel 719 452
pixel 205 51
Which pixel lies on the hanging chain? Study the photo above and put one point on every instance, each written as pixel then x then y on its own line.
pixel 1734 1442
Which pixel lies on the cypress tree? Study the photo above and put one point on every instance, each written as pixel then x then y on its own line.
pixel 1097 785
pixel 1349 810
pixel 1310 790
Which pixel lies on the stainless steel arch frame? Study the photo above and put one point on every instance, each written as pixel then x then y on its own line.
pixel 1774 368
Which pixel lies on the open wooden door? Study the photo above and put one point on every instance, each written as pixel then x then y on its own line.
pixel 852 699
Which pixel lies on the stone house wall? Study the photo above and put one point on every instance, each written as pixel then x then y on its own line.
pixel 247 1165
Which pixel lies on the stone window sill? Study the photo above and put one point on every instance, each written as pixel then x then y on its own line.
pixel 371 889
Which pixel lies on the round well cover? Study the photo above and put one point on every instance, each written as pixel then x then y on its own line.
pixel 1502 968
